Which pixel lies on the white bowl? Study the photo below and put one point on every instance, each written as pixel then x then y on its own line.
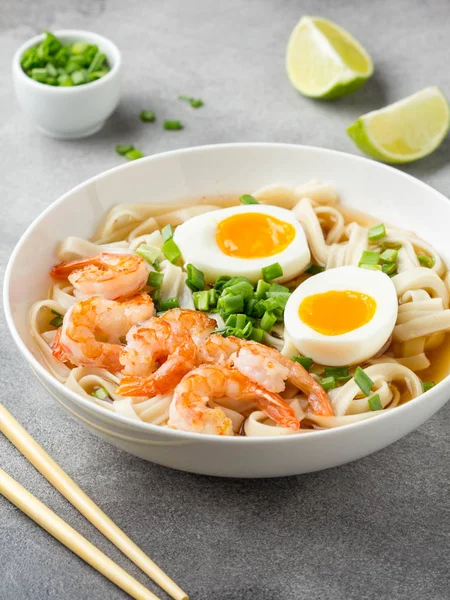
pixel 228 169
pixel 69 112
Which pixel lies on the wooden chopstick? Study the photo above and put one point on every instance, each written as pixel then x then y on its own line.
pixel 68 536
pixel 37 456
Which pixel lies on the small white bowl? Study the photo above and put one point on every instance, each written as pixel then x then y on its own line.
pixel 389 194
pixel 69 112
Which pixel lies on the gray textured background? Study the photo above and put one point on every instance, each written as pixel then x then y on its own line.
pixel 374 529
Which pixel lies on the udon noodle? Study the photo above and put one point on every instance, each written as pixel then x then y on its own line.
pixel 336 237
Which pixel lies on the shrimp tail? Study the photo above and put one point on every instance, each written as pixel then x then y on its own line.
pixel 64 269
pixel 317 397
pixel 275 408
pixel 162 381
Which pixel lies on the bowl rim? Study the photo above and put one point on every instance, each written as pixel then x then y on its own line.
pixel 83 35
pixel 178 434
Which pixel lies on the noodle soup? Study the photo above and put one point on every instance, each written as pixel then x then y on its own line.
pixel 321 253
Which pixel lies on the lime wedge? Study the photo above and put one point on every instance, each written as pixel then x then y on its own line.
pixel 325 61
pixel 406 130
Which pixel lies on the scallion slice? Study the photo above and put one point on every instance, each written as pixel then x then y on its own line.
pixel 375 402
pixel 231 304
pixel 426 261
pixel 147 116
pixel 201 300
pixel 168 304
pixel 149 253
pixel 248 199
pixel 363 381
pixel 339 373
pixel 173 125
pixel 389 255
pixel 377 232
pixel 390 245
pixel 315 269
pixel 56 321
pixel 122 149
pixel 133 154
pixel 268 321
pixel 272 272
pixel 171 251
pixel 155 279
pixel 241 288
pixel 195 278
pixel 167 232
pixel 369 257
pixel 257 334
pixel 194 102
pixel 370 267
pixel 221 281
pixel 389 268
pixel 100 393
pixel 304 361
pixel 262 287
pixel 427 385
pixel 213 297
pixel 328 383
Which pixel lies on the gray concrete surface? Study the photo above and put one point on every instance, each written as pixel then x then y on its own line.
pixel 375 529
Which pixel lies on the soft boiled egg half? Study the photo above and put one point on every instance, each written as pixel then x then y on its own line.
pixel 242 240
pixel 342 316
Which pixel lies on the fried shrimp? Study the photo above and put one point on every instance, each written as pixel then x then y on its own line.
pixel 189 410
pixel 107 275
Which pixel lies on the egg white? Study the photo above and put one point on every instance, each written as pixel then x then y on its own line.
pixel 196 238
pixel 355 346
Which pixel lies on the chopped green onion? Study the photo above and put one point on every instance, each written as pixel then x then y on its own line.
pixel 249 305
pixel 213 297
pixel 155 295
pixel 426 261
pixel 370 267
pixel 167 232
pixel 231 304
pixel 390 245
pixel 65 80
pixel 97 62
pixel 272 272
pixel 248 199
pixel 389 268
pixel 241 288
pixel 268 321
pixel 375 402
pixel 389 256
pixel 201 300
pixel 194 102
pixel 173 125
pixel 195 278
pixel 133 154
pixel 55 312
pixel 377 232
pixel 369 257
pixel 56 321
pixel 257 334
pixel 281 298
pixel 122 149
pixel 171 251
pixel 232 280
pixel 80 77
pixel 276 287
pixel 304 361
pixel 155 279
pixel 149 253
pixel 241 321
pixel 363 381
pixel 231 321
pixel 262 288
pixel 315 269
pixel 147 116
pixel 339 373
pixel 168 304
pixel 259 309
pixel 270 304
pixel 328 383
pixel 427 385
pixel 101 393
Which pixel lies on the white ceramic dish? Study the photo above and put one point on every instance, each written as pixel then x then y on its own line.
pixel 231 169
pixel 69 112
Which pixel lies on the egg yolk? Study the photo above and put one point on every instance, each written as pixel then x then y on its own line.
pixel 253 235
pixel 337 312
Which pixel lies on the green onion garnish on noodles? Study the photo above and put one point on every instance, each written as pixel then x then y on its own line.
pixel 390 245
pixel 231 304
pixel 426 261
pixel 389 255
pixel 339 373
pixel 377 232
pixel 427 385
pixel 194 102
pixel 55 312
pixel 281 298
pixel 155 279
pixel 201 300
pixel 268 321
pixel 212 297
pixel 171 251
pixel 315 269
pixel 101 393
pixel 375 402
pixel 328 383
pixel 304 361
pixel 262 287
pixel 370 267
pixel 147 116
pixel 173 125
pixel 241 288
pixel 168 303
pixel 57 321
pixel 195 278
pixel 369 257
pixel 257 334
pixel 221 281
pixel 149 253
pixel 389 268
pixel 167 232
pixel 363 381
pixel 278 288
pixel 248 199
pixel 272 272
pixel 122 149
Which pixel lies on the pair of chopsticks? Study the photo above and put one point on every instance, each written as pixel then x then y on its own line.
pixel 63 532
